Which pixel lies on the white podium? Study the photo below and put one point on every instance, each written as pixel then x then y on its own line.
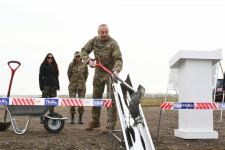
pixel 195 85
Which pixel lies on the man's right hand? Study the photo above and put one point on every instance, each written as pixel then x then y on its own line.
pixel 91 63
pixel 114 75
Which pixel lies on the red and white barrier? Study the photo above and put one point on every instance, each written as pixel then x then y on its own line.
pixel 56 102
pixel 192 105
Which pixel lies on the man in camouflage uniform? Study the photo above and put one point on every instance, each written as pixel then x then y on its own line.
pixel 77 74
pixel 108 53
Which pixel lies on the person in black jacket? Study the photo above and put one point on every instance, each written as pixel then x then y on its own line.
pixel 48 78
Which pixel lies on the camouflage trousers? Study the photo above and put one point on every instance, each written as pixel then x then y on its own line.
pixel 49 92
pixel 81 94
pixel 98 89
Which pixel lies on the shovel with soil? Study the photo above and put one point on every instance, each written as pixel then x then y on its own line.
pixel 5 125
pixel 136 96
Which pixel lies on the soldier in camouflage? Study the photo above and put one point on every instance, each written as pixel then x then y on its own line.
pixel 107 51
pixel 77 75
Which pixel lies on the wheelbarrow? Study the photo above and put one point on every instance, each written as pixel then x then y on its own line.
pixel 53 122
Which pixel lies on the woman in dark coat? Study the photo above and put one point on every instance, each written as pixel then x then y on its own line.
pixel 48 78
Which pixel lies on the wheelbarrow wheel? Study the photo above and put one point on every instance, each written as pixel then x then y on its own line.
pixel 53 125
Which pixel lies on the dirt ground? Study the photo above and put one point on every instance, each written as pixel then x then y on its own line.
pixel 74 136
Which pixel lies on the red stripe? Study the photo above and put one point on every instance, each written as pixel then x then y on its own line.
pixel 19 101
pixel 106 103
pixel 215 106
pixel 210 106
pixel 199 105
pixel 71 102
pixel 32 101
pixel 205 105
pixel 28 101
pixel 14 101
pixel 166 105
pixel 63 102
pixel 109 103
pixel 67 102
pixel 196 106
pixel 74 102
pixel 23 100
pixel 169 106
pixel 80 102
pixel 162 105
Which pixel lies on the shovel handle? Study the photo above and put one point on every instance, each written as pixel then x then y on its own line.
pixel 13 70
pixel 104 68
pixel 98 64
pixel 14 62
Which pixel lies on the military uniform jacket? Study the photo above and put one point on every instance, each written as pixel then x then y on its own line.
pixel 108 52
pixel 77 74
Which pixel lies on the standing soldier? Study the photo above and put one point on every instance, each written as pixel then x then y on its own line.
pixel 108 53
pixel 77 74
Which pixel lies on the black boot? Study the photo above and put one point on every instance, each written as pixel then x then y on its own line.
pixel 72 119
pixel 80 119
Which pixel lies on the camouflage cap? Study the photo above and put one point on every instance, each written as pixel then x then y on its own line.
pixel 77 53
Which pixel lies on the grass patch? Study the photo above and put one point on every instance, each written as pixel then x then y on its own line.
pixel 155 102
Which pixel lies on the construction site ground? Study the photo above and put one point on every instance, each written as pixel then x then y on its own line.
pixel 74 137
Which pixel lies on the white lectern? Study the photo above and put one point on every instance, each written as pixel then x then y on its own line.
pixel 195 85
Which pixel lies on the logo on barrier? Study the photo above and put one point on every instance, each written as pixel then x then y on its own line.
pixel 184 105
pixel 51 101
pixel 4 101
pixel 221 105
pixel 98 103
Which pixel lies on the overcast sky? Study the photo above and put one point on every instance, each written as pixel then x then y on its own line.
pixel 149 33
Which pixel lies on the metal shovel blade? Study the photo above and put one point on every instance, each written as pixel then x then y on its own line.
pixel 4 125
pixel 135 98
pixel 135 101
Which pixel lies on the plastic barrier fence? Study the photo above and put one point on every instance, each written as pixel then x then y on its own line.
pixel 56 102
pixel 192 105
